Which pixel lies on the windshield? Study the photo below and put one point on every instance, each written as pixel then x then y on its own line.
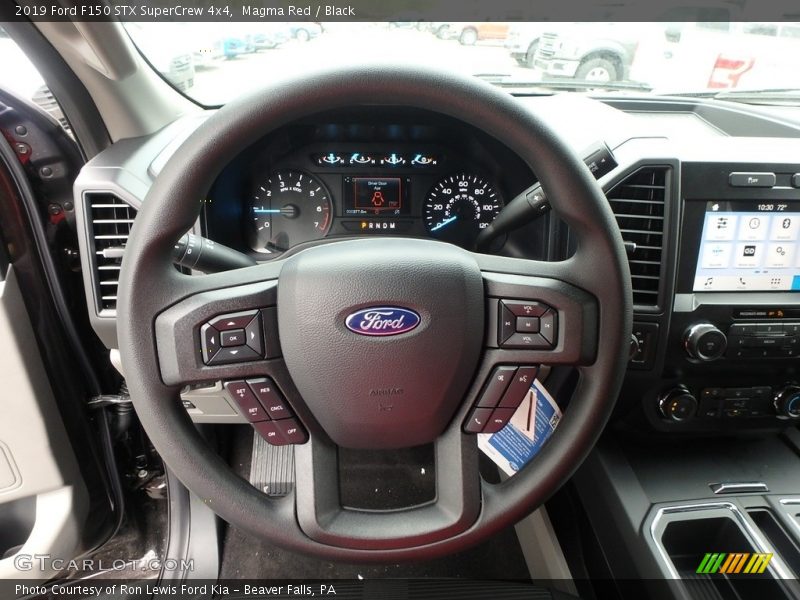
pixel 214 62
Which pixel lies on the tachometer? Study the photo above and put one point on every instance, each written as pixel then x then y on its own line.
pixel 459 206
pixel 289 208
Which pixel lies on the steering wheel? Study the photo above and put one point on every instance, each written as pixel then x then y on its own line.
pixel 436 370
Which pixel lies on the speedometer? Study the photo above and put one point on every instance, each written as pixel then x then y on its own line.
pixel 289 208
pixel 459 206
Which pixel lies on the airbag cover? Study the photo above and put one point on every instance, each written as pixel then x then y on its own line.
pixel 381 391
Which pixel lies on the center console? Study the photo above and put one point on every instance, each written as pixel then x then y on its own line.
pixel 734 327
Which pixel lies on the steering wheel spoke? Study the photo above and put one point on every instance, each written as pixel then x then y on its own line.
pixel 220 331
pixel 454 509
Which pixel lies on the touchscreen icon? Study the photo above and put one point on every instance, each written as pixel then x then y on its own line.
pixel 784 229
pixel 749 251
pixel 721 227
pixel 753 228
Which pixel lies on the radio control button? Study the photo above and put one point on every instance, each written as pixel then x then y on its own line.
pixel 209 342
pixel 230 321
pixel 495 386
pixel 519 387
pixel 703 341
pixel 477 420
pixel 769 328
pixel 533 341
pixel 527 325
pixel 791 328
pixel 234 354
pixel 499 419
pixel 507 325
pixel 253 335
pixel 232 337
pixel 752 179
pixel 548 326
pixel 521 308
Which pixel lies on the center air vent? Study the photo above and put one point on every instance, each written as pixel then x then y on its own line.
pixel 638 205
pixel 111 220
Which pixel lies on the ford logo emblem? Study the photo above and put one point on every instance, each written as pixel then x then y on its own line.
pixel 382 320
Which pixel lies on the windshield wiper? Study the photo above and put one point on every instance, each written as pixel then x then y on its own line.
pixel 560 85
pixel 769 97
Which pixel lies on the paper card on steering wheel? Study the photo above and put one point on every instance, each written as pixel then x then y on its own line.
pixel 520 440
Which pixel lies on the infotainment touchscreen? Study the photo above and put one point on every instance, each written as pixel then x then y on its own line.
pixel 749 246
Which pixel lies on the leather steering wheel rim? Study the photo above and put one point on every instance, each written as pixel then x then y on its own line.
pixel 149 285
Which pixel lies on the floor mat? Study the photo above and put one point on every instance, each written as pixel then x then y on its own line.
pixel 245 557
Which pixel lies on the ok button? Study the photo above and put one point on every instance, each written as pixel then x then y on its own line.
pixel 232 337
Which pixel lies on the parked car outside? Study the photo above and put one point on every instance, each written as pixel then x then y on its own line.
pixel 304 30
pixel 468 34
pixel 168 49
pixel 523 41
pixel 713 56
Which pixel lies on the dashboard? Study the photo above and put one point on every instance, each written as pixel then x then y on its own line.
pixel 706 196
pixel 376 173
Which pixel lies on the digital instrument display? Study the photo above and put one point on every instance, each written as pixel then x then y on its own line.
pixel 376 196
pixel 749 246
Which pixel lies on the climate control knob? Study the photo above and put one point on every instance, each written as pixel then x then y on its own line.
pixel 787 402
pixel 704 341
pixel 677 404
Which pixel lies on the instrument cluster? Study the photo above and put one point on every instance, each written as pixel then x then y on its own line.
pixel 370 190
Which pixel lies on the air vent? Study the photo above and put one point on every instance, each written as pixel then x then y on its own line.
pixel 638 205
pixel 111 222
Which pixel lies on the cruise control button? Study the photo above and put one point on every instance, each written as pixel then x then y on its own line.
pixel 519 387
pixel 548 326
pixel 499 419
pixel 528 324
pixel 270 398
pixel 477 420
pixel 496 385
pixel 209 342
pixel 238 320
pixel 226 356
pixel 244 397
pixel 232 337
pixel 270 432
pixel 291 431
